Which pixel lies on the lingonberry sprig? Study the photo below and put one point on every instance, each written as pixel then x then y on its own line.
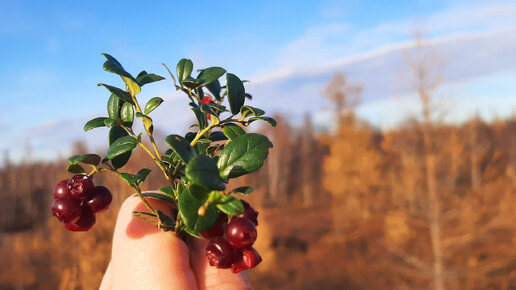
pixel 197 166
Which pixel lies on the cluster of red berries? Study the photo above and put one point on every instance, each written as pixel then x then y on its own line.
pixel 230 244
pixel 77 201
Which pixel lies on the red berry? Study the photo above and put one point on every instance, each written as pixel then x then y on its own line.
pixel 250 259
pixel 84 223
pixel 250 213
pixel 66 209
pixel 241 232
pixel 99 198
pixel 206 100
pixel 79 185
pixel 61 189
pixel 221 254
pixel 217 230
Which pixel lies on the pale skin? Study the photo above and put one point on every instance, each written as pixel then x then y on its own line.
pixel 144 257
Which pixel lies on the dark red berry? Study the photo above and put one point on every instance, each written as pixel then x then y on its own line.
pixel 241 232
pixel 217 229
pixel 66 209
pixel 61 189
pixel 250 213
pixel 99 198
pixel 221 254
pixel 250 259
pixel 79 185
pixel 84 223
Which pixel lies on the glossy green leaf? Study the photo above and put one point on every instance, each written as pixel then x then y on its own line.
pixel 127 113
pixel 146 78
pixel 147 121
pixel 152 104
pixel 167 189
pixel 232 131
pixel 113 66
pixel 188 208
pixel 146 217
pixel 112 106
pixel 205 108
pixel 109 122
pixel 214 88
pixel 192 83
pixel 251 111
pixel 121 146
pixel 129 178
pixel 243 155
pixel 75 169
pixel 142 174
pixel 184 69
pixel 201 117
pixel 236 92
pixel 181 146
pixel 123 95
pixel 243 190
pixel 157 196
pixel 92 159
pixel 230 205
pixel 219 108
pixel 202 170
pixel 198 191
pixel 269 120
pixel 95 123
pixel 217 136
pixel 165 222
pixel 211 74
pixel 116 132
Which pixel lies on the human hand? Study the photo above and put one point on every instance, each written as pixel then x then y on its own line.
pixel 144 257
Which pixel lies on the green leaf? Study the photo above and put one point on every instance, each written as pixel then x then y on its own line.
pixel 243 155
pixel 144 79
pixel 92 159
pixel 243 190
pixel 129 178
pixel 181 146
pixel 123 95
pixel 230 205
pixel 147 121
pixel 211 74
pixel 116 132
pixel 158 196
pixel 218 107
pixel 198 191
pixel 232 131
pixel 214 88
pixel 112 106
pixel 202 170
pixel 127 113
pixel 152 104
pixel 75 169
pixel 95 123
pixel 201 117
pixel 251 111
pixel 236 92
pixel 121 146
pixel 113 66
pixel 217 136
pixel 205 108
pixel 146 217
pixel 142 174
pixel 165 222
pixel 192 83
pixel 248 96
pixel 109 122
pixel 188 207
pixel 184 70
pixel 269 120
pixel 167 189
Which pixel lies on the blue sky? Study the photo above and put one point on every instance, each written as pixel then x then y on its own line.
pixel 51 59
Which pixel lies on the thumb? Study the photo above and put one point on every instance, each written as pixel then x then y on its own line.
pixel 144 257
